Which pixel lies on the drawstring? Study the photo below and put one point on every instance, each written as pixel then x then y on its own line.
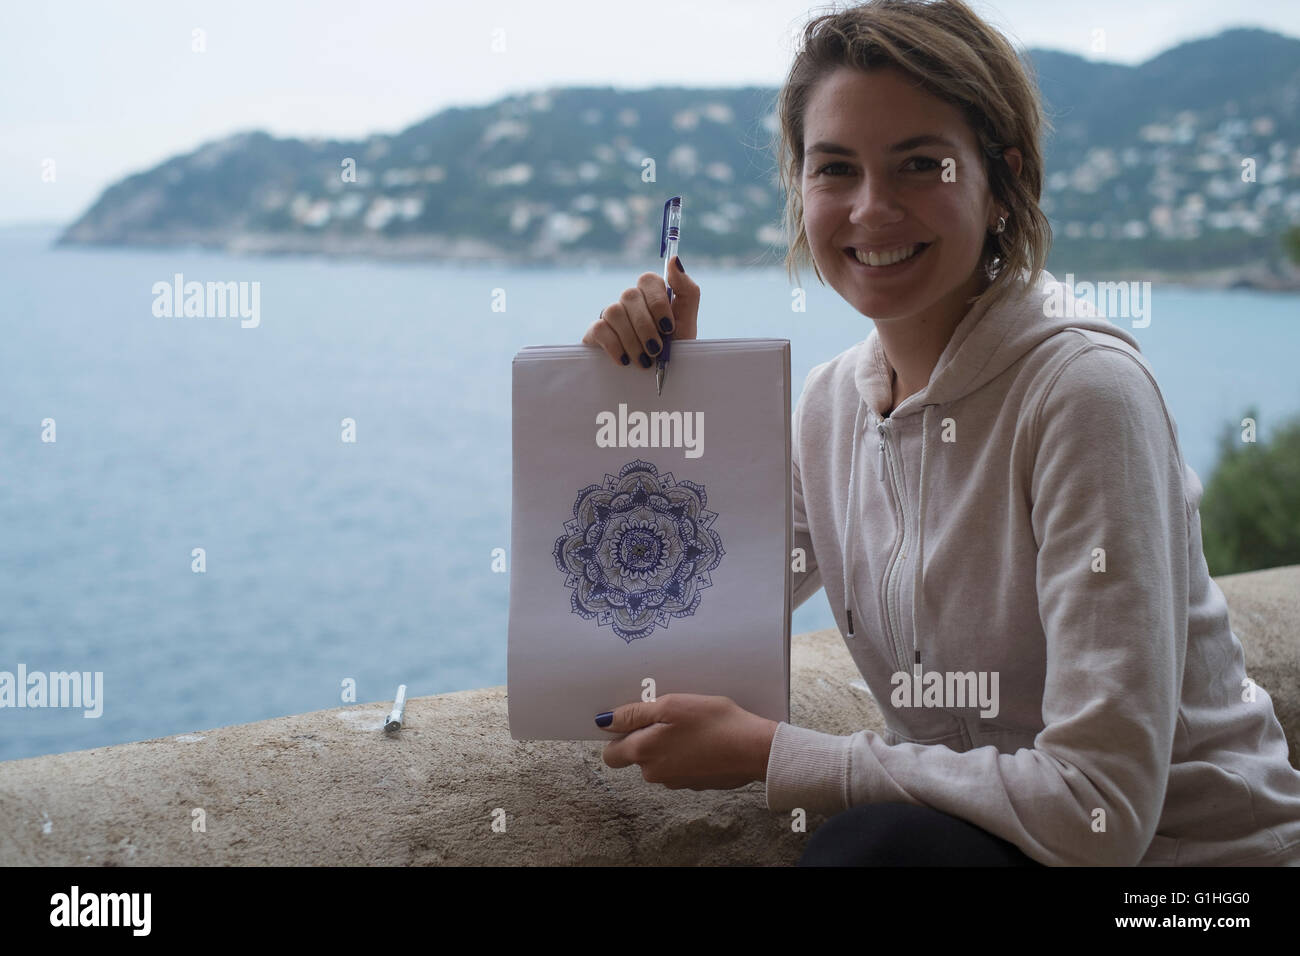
pixel 850 514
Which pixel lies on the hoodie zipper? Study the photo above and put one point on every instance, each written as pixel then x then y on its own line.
pixel 885 460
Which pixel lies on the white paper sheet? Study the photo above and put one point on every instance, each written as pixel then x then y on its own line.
pixel 669 561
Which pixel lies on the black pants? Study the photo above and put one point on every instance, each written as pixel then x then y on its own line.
pixel 903 834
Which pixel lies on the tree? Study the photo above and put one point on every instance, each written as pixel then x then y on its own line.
pixel 1291 243
pixel 1250 513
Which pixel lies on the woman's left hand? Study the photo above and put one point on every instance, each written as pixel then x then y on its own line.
pixel 691 741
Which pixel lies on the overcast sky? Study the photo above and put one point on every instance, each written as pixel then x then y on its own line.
pixel 107 89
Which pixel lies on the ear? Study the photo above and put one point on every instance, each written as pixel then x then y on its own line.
pixel 1014 159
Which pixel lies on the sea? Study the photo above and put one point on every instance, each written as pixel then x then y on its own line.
pixel 199 532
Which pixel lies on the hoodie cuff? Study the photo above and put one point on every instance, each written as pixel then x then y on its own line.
pixel 807 769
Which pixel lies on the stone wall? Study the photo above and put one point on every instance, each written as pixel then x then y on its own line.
pixel 330 788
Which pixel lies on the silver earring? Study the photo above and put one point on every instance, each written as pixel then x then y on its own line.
pixel 1002 225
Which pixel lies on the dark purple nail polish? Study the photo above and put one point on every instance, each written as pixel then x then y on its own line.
pixel 665 325
pixel 645 361
pixel 679 264
pixel 625 360
pixel 605 719
pixel 653 347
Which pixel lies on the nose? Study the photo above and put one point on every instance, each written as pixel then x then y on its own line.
pixel 874 204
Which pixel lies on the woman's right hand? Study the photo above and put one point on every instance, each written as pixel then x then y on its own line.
pixel 629 329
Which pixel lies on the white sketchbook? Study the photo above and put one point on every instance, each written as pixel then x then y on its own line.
pixel 650 535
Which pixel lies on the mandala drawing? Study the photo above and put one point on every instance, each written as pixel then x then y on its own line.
pixel 638 550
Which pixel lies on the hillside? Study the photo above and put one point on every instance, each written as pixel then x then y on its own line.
pixel 1144 173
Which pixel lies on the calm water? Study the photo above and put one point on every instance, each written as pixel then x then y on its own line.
pixel 328 560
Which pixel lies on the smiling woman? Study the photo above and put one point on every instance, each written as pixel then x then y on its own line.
pixel 1030 522
pixel 992 495
pixel 981 101
pixel 909 152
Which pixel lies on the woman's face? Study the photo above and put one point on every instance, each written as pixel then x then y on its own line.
pixel 876 149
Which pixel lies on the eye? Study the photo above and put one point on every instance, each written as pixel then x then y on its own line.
pixel 925 159
pixel 828 166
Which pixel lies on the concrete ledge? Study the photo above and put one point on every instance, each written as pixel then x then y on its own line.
pixel 330 788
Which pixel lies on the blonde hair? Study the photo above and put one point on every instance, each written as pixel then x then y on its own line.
pixel 957 57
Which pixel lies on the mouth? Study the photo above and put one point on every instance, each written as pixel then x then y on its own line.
pixel 890 261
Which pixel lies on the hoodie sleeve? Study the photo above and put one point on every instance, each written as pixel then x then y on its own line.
pixel 808 581
pixel 1110 524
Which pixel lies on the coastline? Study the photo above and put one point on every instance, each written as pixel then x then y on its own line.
pixel 448 250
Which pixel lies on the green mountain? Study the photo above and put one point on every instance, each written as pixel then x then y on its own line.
pixel 1145 171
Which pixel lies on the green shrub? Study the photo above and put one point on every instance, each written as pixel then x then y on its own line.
pixel 1250 513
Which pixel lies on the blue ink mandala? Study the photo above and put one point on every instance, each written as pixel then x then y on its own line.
pixel 638 550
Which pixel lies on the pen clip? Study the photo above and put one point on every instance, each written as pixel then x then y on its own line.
pixel 665 228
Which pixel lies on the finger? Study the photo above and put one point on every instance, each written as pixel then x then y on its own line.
pixel 643 323
pixel 655 294
pixel 686 301
pixel 641 746
pixel 603 335
pixel 634 716
pixel 615 316
pixel 616 755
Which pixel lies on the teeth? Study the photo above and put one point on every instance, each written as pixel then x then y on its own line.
pixel 889 257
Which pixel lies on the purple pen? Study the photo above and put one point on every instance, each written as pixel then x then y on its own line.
pixel 669 235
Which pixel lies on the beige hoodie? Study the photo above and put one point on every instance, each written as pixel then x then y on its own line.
pixel 1024 529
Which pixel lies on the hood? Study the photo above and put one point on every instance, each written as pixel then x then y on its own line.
pixel 987 341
